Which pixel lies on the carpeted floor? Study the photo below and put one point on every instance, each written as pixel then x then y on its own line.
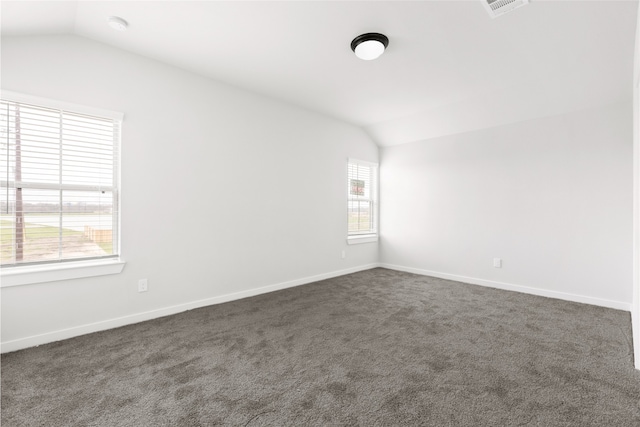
pixel 375 348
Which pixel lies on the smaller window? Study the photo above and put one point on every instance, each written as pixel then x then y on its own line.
pixel 362 201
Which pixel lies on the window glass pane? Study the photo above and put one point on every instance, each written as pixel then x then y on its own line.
pixel 360 216
pixel 32 145
pixel 359 181
pixel 87 222
pixel 82 227
pixel 38 238
pixel 7 229
pixel 87 151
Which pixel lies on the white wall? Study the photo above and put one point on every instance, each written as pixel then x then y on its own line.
pixel 552 197
pixel 223 191
pixel 635 310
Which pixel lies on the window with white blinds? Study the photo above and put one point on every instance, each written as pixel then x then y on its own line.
pixel 362 182
pixel 59 188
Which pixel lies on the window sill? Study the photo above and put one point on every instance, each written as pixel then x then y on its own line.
pixel 364 238
pixel 29 275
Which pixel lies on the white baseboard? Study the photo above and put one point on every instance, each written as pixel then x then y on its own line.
pixel 75 331
pixel 618 305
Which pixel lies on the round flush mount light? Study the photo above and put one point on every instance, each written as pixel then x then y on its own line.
pixel 117 23
pixel 369 46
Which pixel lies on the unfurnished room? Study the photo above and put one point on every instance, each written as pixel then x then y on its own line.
pixel 320 213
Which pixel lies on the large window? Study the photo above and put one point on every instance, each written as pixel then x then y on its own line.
pixel 59 183
pixel 362 206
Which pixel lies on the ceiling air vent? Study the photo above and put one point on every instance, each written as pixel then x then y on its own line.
pixel 500 7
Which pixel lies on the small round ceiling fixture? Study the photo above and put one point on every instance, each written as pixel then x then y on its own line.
pixel 117 23
pixel 369 46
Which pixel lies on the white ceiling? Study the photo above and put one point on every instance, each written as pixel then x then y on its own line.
pixel 449 67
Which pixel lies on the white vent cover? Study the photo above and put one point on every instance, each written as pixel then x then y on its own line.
pixel 500 7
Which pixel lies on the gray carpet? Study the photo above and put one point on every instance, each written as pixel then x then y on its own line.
pixel 375 348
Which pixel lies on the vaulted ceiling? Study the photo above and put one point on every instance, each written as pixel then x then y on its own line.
pixel 449 67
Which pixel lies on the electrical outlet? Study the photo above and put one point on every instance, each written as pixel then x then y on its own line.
pixel 143 286
pixel 497 262
pixel 344 254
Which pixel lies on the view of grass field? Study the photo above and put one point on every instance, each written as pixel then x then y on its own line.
pixel 359 222
pixel 42 242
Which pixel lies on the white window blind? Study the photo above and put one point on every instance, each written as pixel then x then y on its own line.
pixel 59 189
pixel 362 181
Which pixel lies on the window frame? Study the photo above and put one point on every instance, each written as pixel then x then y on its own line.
pixel 39 272
pixel 371 235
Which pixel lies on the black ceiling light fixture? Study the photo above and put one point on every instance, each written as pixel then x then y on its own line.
pixel 369 46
